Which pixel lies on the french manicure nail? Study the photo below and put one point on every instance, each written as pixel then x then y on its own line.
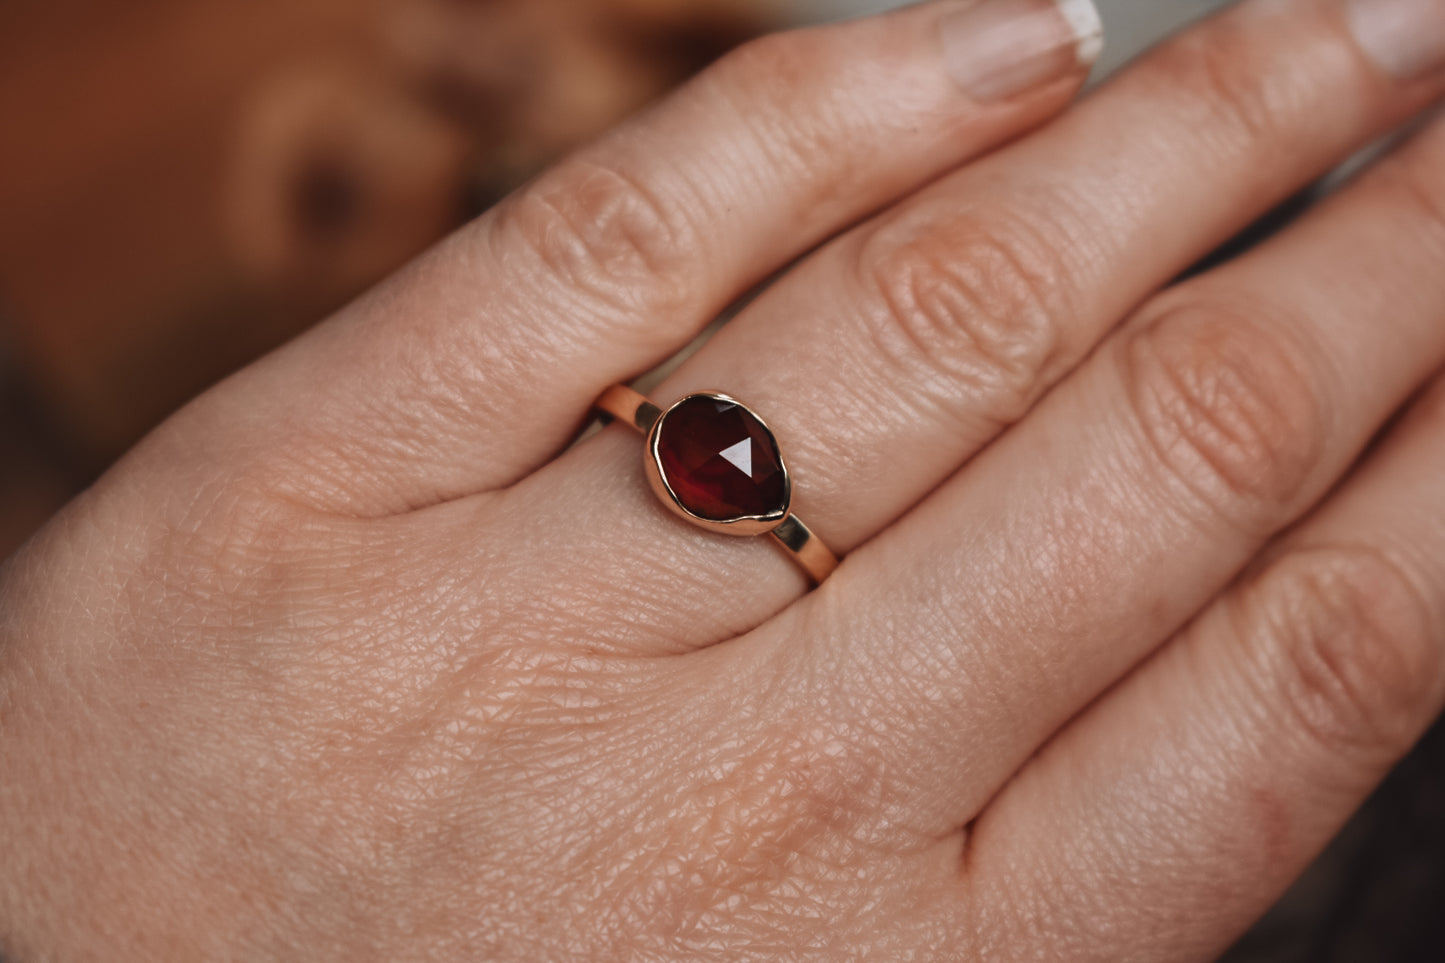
pixel 1405 37
pixel 1000 48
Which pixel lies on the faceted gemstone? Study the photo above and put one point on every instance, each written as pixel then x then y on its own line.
pixel 720 461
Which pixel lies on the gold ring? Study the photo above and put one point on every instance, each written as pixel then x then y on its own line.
pixel 714 462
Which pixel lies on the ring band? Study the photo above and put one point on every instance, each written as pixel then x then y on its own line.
pixel 714 462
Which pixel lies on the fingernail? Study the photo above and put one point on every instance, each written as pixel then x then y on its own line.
pixel 1000 48
pixel 1405 37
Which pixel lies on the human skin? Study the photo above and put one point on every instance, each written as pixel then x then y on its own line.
pixel 358 657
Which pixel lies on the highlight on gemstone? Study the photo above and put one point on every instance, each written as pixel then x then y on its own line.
pixel 720 461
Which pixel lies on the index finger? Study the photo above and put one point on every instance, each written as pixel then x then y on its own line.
pixel 480 361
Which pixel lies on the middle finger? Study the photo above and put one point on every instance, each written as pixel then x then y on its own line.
pixel 899 350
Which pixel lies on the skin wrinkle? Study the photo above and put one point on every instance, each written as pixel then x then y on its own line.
pixel 618 250
pixel 1356 634
pixel 946 301
pixel 1238 92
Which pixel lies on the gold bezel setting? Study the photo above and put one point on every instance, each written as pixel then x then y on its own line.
pixel 786 529
pixel 743 525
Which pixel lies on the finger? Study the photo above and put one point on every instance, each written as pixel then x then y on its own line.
pixel 481 360
pixel 894 354
pixel 1085 537
pixel 1191 797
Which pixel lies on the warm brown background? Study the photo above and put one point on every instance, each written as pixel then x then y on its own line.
pixel 185 184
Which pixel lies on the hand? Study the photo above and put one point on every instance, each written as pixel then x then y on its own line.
pixel 355 658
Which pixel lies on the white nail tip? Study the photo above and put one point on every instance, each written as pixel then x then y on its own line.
pixel 1083 18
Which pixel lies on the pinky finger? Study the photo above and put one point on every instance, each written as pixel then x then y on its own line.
pixel 1163 821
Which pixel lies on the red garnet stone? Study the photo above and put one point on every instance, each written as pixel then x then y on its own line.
pixel 721 461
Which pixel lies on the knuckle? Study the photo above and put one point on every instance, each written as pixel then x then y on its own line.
pixel 1227 407
pixel 967 305
pixel 607 235
pixel 1354 639
pixel 759 817
pixel 1242 95
pixel 228 543
pixel 786 795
